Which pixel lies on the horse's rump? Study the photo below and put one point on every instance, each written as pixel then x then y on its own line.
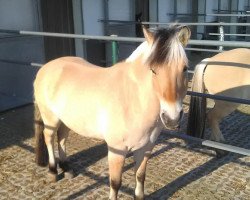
pixel 226 74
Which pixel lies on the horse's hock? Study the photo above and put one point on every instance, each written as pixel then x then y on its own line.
pixel 175 171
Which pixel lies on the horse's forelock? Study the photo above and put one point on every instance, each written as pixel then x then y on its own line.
pixel 167 48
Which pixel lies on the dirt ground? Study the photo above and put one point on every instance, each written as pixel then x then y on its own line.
pixel 176 170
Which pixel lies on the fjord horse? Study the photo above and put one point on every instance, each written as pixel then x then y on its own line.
pixel 226 74
pixel 127 105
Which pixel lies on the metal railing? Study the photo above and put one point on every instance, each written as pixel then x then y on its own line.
pixel 181 23
pixel 115 39
pixel 133 39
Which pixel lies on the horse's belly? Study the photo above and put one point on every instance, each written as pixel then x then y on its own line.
pixel 84 127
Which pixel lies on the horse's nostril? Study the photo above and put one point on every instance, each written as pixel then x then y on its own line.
pixel 164 116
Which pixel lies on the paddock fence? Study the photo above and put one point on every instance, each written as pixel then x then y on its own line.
pixel 115 43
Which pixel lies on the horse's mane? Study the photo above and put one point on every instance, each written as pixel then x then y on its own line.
pixel 167 48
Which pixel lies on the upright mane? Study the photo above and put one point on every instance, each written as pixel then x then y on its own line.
pixel 167 47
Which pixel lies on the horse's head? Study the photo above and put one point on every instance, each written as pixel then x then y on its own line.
pixel 168 63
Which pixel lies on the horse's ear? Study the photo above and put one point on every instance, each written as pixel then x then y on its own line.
pixel 184 35
pixel 148 35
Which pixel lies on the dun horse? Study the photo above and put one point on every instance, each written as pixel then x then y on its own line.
pixel 127 104
pixel 226 74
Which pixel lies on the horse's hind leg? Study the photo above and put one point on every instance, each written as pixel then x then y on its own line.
pixel 214 116
pixel 62 134
pixel 51 124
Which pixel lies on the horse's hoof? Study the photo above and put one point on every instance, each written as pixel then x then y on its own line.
pixel 69 174
pixel 52 177
pixel 221 153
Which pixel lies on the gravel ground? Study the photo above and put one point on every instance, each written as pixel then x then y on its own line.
pixel 176 170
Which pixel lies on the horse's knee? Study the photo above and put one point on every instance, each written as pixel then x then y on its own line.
pixel 115 184
pixel 141 177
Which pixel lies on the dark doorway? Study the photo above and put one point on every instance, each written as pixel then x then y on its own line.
pixel 57 16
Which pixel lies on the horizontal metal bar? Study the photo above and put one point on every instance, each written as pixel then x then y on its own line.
pixel 211 14
pixel 181 23
pixel 21 63
pixel 200 23
pixel 14 62
pixel 134 39
pixel 36 64
pixel 207 50
pixel 209 143
pixel 86 37
pixel 226 147
pixel 219 97
pixel 224 10
pixel 9 31
pixel 220 43
pixel 231 34
pixel 228 15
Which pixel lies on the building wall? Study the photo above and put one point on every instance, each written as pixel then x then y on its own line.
pixel 99 52
pixel 16 79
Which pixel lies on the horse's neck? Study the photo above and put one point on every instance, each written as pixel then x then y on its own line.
pixel 136 62
pixel 140 78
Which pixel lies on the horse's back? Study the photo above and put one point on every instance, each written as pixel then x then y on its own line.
pixel 229 73
pixel 56 72
pixel 240 55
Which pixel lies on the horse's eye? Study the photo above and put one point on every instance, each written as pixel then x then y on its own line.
pixel 185 69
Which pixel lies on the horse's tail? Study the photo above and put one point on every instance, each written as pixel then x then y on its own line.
pixel 41 149
pixel 197 108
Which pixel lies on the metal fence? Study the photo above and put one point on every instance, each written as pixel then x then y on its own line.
pixel 115 39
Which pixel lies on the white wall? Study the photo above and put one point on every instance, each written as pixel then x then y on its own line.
pixel 18 15
pixel 164 7
pixel 184 6
pixel 93 10
pixel 16 80
pixel 120 10
pixel 210 7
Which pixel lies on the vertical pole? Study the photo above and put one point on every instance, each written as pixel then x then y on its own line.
pixel 106 17
pixel 221 38
pixel 175 9
pixel 195 8
pixel 114 47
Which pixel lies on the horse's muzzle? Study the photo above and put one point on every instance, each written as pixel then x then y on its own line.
pixel 171 123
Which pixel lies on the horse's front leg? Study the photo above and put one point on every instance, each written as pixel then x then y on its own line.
pixel 116 160
pixel 141 157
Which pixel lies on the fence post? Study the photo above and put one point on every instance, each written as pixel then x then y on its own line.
pixel 221 37
pixel 114 47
